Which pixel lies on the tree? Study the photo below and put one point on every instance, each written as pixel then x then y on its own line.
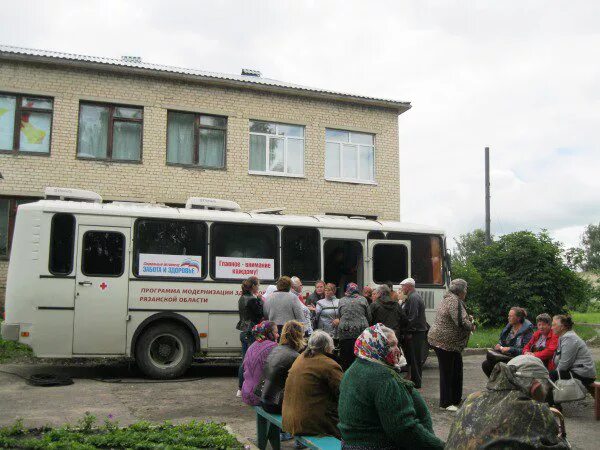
pixel 468 245
pixel 520 269
pixel 575 257
pixel 591 247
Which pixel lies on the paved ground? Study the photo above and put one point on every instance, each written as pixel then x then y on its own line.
pixel 211 397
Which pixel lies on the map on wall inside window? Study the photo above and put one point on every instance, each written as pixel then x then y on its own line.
pixel 33 134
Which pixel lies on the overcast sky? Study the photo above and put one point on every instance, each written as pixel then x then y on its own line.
pixel 522 77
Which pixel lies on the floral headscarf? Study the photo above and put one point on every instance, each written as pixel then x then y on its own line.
pixel 352 290
pixel 374 346
pixel 263 331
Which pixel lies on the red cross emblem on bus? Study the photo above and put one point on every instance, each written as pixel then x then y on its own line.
pixel 103 285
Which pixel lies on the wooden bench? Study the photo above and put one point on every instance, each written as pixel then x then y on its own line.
pixel 268 427
pixel 594 389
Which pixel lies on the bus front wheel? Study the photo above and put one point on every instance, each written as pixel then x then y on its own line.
pixel 164 351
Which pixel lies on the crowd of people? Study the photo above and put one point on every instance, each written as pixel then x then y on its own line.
pixel 352 367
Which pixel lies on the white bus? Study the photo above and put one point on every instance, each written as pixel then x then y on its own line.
pixel 161 284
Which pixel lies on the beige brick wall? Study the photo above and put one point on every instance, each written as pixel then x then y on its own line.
pixel 153 180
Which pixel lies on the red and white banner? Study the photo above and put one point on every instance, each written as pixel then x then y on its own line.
pixel 241 268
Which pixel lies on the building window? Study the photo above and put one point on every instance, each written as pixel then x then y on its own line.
pixel 8 215
pixel 110 132
pixel 276 149
pixel 62 244
pixel 350 156
pixel 25 124
pixel 169 249
pixel 301 253
pixel 196 140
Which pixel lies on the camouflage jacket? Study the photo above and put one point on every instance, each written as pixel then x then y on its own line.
pixel 504 417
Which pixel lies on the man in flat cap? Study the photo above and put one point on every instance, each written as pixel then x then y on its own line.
pixel 416 333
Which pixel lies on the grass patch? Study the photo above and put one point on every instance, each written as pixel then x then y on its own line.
pixel 484 337
pixel 593 317
pixel 10 350
pixel 584 332
pixel 141 435
pixel 488 337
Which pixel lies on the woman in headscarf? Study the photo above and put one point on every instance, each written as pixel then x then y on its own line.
pixel 310 403
pixel 354 318
pixel 379 409
pixel 265 340
pixel 270 289
pixel 510 413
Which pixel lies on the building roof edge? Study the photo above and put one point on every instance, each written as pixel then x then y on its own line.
pixel 193 75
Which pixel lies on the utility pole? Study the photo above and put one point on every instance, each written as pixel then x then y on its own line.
pixel 488 239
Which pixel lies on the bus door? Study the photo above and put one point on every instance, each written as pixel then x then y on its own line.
pixel 101 290
pixel 389 261
pixel 343 262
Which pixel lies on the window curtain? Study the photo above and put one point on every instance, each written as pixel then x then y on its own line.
pixel 7 122
pixel 180 144
pixel 93 131
pixel 212 146
pixel 4 210
pixel 258 155
pixel 295 156
pixel 366 164
pixel 127 141
pixel 276 154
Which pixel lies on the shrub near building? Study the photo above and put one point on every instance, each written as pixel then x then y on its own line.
pixel 521 268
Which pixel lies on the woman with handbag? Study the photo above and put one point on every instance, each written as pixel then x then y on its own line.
pixel 572 358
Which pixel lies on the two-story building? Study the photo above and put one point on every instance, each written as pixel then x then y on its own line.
pixel 134 131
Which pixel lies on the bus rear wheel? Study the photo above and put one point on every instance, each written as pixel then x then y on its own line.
pixel 164 351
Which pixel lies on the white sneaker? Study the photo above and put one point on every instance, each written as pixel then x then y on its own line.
pixel 452 408
pixel 238 394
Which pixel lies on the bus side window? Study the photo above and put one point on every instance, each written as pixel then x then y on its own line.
pixel 300 253
pixel 62 243
pixel 390 263
pixel 426 257
pixel 178 238
pixel 240 250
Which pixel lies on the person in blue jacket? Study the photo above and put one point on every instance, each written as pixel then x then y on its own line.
pixel 515 335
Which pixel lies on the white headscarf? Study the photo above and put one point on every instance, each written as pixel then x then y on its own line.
pixel 270 289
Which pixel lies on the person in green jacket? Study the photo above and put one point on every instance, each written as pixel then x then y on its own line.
pixel 377 408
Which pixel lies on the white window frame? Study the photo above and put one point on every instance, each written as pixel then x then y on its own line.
pixel 285 138
pixel 357 145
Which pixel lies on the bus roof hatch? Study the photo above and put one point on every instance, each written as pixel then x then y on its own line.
pixel 211 203
pixel 58 193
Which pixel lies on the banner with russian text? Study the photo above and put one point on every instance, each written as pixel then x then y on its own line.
pixel 241 268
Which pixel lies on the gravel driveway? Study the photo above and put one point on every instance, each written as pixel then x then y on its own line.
pixel 210 397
